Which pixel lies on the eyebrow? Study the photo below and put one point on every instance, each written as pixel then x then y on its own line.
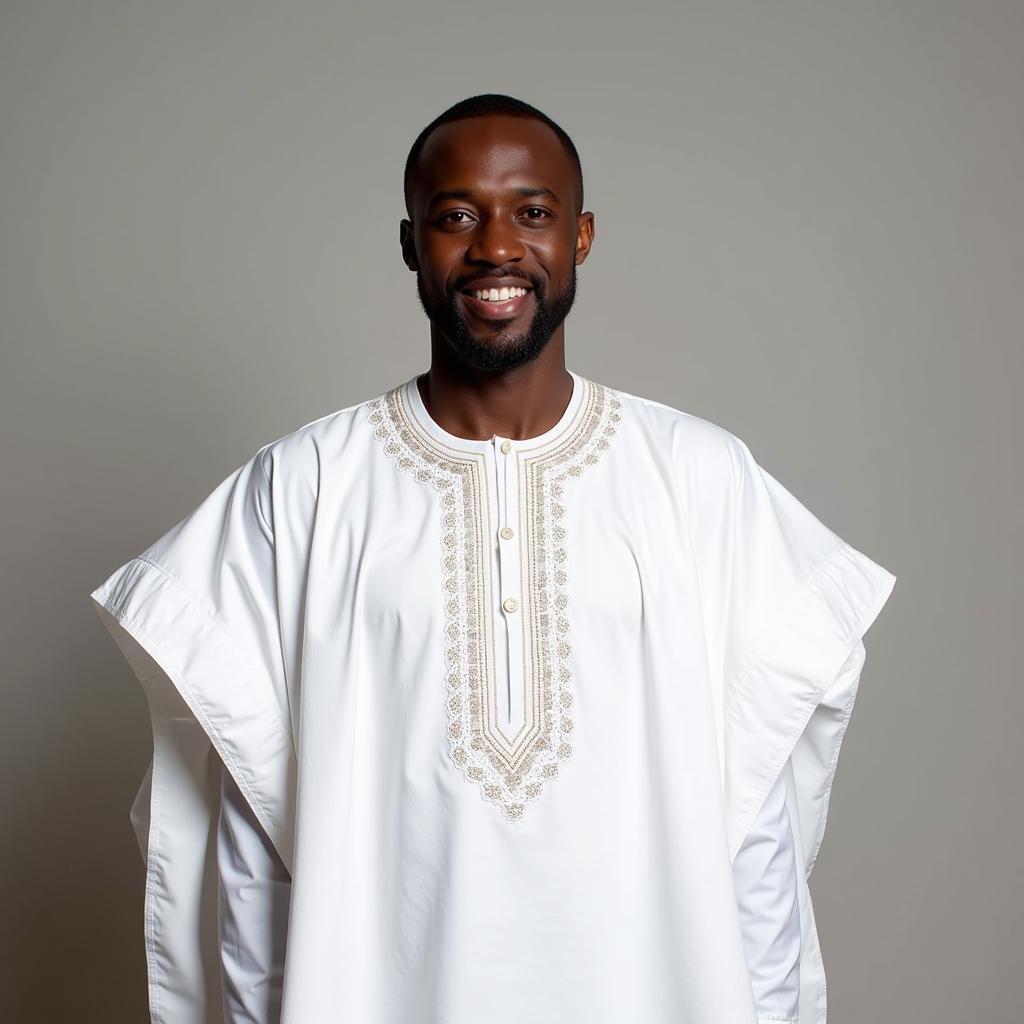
pixel 466 193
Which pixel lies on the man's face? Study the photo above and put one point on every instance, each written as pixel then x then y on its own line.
pixel 493 205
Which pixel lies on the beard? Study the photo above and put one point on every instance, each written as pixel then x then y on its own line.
pixel 504 349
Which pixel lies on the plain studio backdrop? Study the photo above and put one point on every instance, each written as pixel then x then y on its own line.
pixel 809 229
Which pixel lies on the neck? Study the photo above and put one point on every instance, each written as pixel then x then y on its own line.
pixel 519 403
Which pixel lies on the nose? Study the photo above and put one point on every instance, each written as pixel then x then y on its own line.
pixel 495 241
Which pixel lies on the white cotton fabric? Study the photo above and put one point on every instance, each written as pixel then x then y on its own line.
pixel 493 810
pixel 254 891
pixel 766 893
pixel 254 888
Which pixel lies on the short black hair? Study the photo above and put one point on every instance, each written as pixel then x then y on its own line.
pixel 492 104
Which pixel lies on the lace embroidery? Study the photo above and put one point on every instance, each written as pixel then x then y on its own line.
pixel 509 774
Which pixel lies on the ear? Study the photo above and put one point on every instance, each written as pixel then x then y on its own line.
pixel 406 241
pixel 584 236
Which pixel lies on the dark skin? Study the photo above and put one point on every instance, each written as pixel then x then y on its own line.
pixel 494 369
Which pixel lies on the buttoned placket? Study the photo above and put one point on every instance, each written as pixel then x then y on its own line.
pixel 506 562
pixel 503 488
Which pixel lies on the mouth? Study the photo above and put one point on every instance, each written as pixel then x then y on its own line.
pixel 503 303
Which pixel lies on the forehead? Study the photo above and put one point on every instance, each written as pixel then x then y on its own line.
pixel 490 153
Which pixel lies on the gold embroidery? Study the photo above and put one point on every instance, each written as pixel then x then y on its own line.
pixel 509 773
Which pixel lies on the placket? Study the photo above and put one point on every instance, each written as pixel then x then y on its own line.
pixel 505 548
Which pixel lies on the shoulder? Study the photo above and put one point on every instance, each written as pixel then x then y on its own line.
pixel 294 466
pixel 331 437
pixel 326 435
pixel 703 453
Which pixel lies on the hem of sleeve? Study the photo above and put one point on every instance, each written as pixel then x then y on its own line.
pixel 227 694
pixel 786 680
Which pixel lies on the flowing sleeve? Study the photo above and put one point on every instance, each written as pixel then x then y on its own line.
pixel 197 617
pixel 765 874
pixel 255 890
pixel 787 603
pixel 796 602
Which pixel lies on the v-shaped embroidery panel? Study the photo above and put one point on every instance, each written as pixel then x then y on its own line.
pixel 510 769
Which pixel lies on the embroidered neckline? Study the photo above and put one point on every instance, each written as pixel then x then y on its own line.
pixel 509 772
pixel 425 424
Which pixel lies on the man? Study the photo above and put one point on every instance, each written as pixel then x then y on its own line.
pixel 503 695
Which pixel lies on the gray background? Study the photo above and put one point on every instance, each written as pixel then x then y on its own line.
pixel 810 230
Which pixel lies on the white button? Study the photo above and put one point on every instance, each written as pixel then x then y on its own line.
pixel 510 604
pixel 506 532
pixel 506 446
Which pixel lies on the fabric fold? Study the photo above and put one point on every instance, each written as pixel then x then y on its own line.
pixel 789 713
pixel 787 681
pixel 208 708
pixel 218 682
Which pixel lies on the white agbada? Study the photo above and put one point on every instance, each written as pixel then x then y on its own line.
pixel 255 890
pixel 507 711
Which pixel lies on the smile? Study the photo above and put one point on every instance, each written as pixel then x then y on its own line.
pixel 496 303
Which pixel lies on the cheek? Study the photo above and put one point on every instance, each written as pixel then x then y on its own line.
pixel 556 255
pixel 439 261
pixel 441 251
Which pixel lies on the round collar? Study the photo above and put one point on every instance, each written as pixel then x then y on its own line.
pixel 424 422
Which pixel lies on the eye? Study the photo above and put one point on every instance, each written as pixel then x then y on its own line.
pixel 537 209
pixel 445 217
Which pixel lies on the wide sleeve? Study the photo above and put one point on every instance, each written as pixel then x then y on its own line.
pixel 796 601
pixel 197 617
pixel 255 890
pixel 767 895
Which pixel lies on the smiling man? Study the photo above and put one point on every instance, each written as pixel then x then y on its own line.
pixel 495 232
pixel 503 695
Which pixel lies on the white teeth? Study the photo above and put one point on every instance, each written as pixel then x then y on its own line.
pixel 499 294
